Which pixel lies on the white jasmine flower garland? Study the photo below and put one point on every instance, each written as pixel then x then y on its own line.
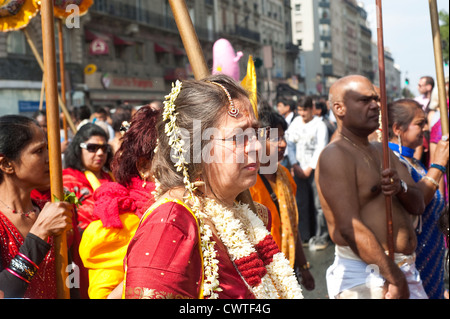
pixel 240 245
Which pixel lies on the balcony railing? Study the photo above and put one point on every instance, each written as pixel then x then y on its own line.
pixel 246 33
pixel 146 17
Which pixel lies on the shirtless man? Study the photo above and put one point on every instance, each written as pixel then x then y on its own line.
pixel 352 186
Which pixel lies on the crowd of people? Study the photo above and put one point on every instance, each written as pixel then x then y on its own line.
pixel 156 218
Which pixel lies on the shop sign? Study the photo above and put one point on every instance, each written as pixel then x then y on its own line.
pixel 98 47
pixel 29 106
pixel 110 82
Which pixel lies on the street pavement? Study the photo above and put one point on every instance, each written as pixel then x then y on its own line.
pixel 319 260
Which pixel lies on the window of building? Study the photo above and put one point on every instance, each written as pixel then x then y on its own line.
pixel 139 52
pixel 210 26
pixel 324 30
pixel 224 19
pixel 16 43
pixel 180 61
pixel 325 47
pixel 120 51
pixel 162 58
pixel 101 5
pixel 325 61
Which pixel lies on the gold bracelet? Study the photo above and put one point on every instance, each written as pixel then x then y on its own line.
pixel 432 180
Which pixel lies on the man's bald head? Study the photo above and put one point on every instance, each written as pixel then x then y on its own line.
pixel 355 98
pixel 347 83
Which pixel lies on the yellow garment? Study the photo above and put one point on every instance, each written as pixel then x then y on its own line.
pixel 93 180
pixel 261 195
pixel 103 250
pixel 284 222
pixel 285 191
pixel 249 83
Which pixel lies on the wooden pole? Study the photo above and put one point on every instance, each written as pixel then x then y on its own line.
pixel 41 64
pixel 384 124
pixel 197 61
pixel 62 72
pixel 439 66
pixel 439 71
pixel 189 38
pixel 54 142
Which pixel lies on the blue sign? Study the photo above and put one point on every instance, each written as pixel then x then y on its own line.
pixel 30 106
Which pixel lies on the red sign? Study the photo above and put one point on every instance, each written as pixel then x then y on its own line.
pixel 98 47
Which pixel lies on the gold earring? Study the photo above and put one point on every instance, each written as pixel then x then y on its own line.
pixel 144 178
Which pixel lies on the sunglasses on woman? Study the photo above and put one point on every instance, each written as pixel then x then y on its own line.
pixel 93 148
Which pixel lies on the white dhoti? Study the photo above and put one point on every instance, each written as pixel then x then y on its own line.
pixel 351 278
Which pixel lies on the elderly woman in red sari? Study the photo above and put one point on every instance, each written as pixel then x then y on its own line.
pixel 198 240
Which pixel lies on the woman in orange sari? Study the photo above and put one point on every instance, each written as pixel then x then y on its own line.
pixel 276 190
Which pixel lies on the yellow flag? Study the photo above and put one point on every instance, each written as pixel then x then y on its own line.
pixel 249 83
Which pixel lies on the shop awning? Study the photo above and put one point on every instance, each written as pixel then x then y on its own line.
pixel 122 41
pixel 90 35
pixel 178 51
pixel 161 48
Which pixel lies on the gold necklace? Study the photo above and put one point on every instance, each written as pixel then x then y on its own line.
pixel 367 157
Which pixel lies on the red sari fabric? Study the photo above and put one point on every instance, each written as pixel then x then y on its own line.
pixel 43 284
pixel 75 181
pixel 163 259
pixel 112 199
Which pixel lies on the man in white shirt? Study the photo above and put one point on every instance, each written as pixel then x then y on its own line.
pixel 287 110
pixel 307 136
pixel 425 87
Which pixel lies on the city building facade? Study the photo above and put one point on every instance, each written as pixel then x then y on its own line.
pixel 130 51
pixel 392 73
pixel 125 51
pixel 335 40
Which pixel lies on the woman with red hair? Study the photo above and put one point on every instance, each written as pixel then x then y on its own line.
pixel 119 206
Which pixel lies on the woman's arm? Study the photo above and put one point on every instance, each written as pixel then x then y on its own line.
pixel 13 282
